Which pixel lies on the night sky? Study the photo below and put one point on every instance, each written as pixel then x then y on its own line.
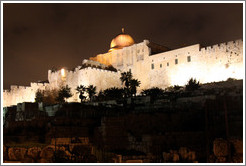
pixel 37 37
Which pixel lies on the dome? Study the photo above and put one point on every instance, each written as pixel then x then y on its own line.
pixel 120 41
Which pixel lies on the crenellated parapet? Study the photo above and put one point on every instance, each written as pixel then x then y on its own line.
pixel 18 94
pixel 224 47
pixel 100 70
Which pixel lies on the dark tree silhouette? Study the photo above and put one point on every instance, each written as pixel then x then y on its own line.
pixel 192 85
pixel 81 90
pixel 134 83
pixel 63 94
pixel 91 91
pixel 125 79
pixel 113 93
pixel 100 96
pixel 174 88
pixel 154 93
pixel 231 79
pixel 46 96
pixel 39 97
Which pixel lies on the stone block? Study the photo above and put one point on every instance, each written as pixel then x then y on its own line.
pixel 220 147
pixel 34 152
pixel 237 146
pixel 175 157
pixel 183 151
pixel 47 152
pixel 192 156
pixel 16 153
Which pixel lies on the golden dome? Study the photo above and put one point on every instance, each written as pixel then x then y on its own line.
pixel 120 41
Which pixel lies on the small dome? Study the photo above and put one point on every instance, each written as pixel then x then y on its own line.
pixel 120 41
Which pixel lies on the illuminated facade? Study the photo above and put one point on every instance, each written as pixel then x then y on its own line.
pixel 152 64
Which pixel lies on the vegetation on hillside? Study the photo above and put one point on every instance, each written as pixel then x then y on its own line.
pixel 63 94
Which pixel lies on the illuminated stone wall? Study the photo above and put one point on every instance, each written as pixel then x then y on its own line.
pixel 19 94
pixel 100 78
pixel 175 67
pixel 134 58
pixel 209 64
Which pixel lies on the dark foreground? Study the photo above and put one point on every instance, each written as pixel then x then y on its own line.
pixel 205 125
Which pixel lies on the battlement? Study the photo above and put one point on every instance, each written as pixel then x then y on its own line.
pixel 13 87
pixel 38 84
pixel 74 70
pixel 32 84
pixel 53 72
pixel 222 46
pixel 22 87
pixel 6 91
pixel 100 70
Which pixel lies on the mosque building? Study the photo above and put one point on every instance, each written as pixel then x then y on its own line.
pixel 152 64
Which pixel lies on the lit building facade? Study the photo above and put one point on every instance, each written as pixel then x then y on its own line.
pixel 150 63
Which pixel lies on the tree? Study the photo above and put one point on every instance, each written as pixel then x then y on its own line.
pixel 174 88
pixel 154 93
pixel 125 79
pixel 192 85
pixel 134 83
pixel 39 97
pixel 231 79
pixel 113 93
pixel 91 90
pixel 81 90
pixel 50 96
pixel 63 94
pixel 100 96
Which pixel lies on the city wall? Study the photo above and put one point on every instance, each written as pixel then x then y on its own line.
pixel 213 63
pixel 209 64
pixel 175 67
pixel 19 94
pixel 100 78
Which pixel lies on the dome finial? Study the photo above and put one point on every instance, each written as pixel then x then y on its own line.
pixel 122 29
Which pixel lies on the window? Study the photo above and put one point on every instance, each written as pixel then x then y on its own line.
pixel 160 65
pixel 152 66
pixel 167 63
pixel 188 59
pixel 176 61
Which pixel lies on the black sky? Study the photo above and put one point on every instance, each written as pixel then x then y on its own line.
pixel 37 37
